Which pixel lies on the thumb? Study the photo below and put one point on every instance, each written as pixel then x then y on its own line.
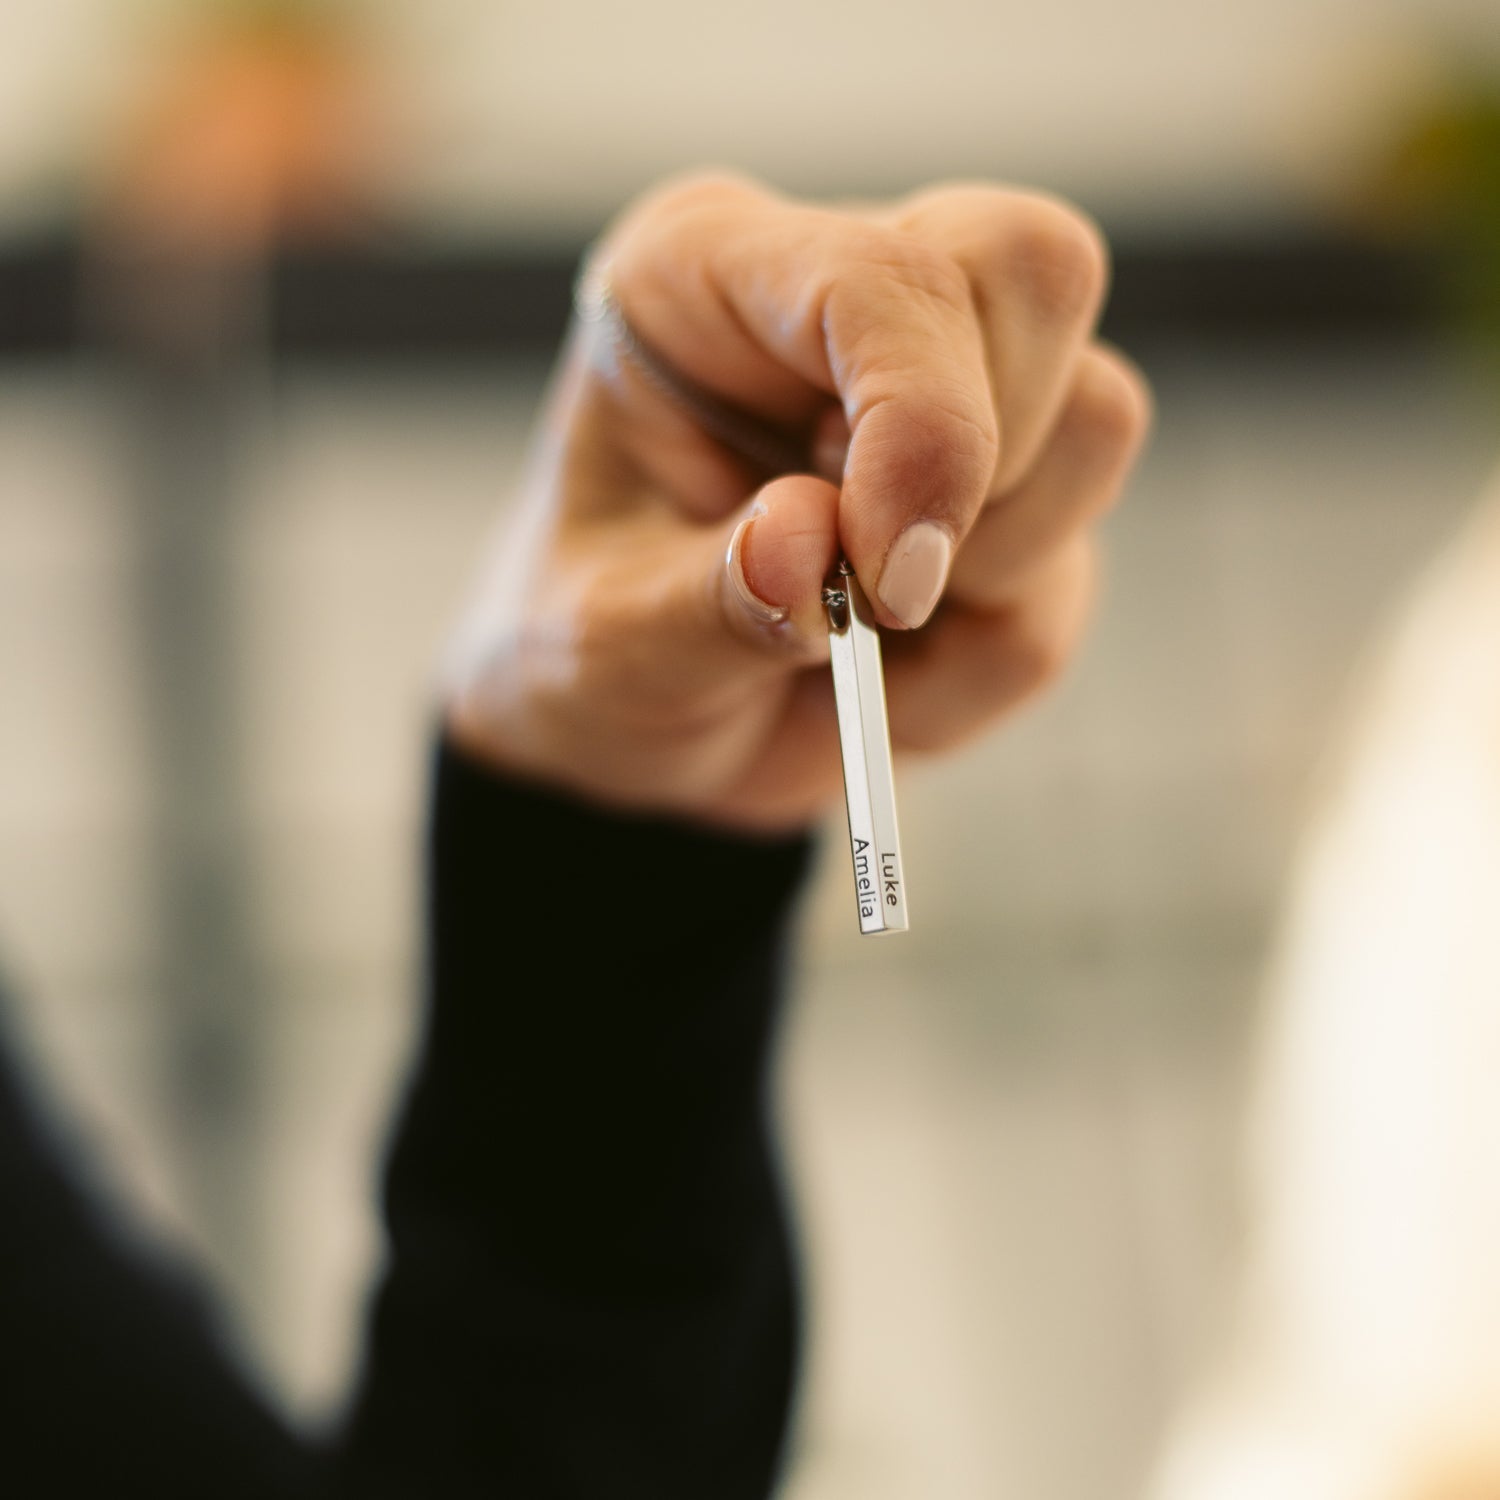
pixel 744 601
pixel 654 657
pixel 782 547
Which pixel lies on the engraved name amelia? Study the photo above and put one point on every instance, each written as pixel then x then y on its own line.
pixel 864 880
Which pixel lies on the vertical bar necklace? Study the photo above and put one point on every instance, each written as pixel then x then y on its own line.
pixel 865 744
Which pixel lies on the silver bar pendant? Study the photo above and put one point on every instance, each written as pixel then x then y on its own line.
pixel 865 742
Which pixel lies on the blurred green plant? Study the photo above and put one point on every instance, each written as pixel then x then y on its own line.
pixel 1438 184
pixel 294 17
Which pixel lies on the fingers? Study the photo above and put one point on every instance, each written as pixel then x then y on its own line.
pixel 951 681
pixel 904 344
pixel 933 364
pixel 1037 273
pixel 778 306
pixel 945 685
pixel 699 269
pixel 948 333
pixel 1077 477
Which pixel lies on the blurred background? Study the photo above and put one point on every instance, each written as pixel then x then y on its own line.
pixel 279 284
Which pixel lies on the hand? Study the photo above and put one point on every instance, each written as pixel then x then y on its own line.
pixel 653 635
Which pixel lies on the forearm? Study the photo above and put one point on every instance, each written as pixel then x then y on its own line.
pixel 589 1290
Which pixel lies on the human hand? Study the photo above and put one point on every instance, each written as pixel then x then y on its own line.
pixel 652 634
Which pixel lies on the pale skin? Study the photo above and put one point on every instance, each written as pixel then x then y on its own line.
pixel 935 359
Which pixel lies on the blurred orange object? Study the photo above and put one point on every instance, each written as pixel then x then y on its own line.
pixel 257 128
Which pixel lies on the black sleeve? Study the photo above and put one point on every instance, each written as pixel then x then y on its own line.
pixel 589 1291
pixel 114 1378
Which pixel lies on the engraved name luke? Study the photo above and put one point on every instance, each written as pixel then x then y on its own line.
pixel 864 881
pixel 890 874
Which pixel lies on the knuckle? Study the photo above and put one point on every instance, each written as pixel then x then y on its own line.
pixel 1033 652
pixel 879 264
pixel 651 234
pixel 953 198
pixel 923 271
pixel 1059 257
pixel 1042 627
pixel 703 187
pixel 1111 406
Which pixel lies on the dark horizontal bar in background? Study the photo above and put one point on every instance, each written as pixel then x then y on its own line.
pixel 478 303
pixel 441 303
pixel 38 293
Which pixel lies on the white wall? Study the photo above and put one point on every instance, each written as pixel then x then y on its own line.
pixel 538 114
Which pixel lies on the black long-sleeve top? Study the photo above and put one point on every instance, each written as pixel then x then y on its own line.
pixel 588 1290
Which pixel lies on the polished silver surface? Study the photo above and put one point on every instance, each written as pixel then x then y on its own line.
pixel 865 743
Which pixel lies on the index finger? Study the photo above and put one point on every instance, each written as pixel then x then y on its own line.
pixel 779 306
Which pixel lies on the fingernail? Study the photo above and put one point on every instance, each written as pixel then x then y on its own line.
pixel 916 568
pixel 734 563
